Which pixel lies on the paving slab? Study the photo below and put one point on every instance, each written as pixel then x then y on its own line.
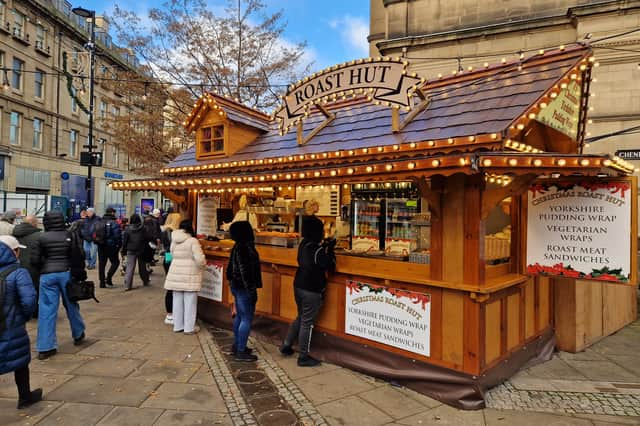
pixel 58 364
pixel 354 411
pixel 129 416
pixel 332 385
pixel 71 413
pixel 290 366
pixel 9 416
pixel 392 402
pixel 422 399
pixel 603 370
pixel 599 419
pixel 203 376
pixel 104 390
pixel 530 418
pixel 169 351
pixel 555 368
pixel 47 381
pixel 630 362
pixel 108 348
pixel 187 397
pixel 108 367
pixel 586 355
pixel 445 415
pixel 166 371
pixel 192 418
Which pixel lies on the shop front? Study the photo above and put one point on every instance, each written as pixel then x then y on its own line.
pixel 444 283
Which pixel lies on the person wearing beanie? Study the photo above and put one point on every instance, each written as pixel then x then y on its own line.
pixel 17 304
pixel 316 257
pixel 108 237
pixel 27 234
pixel 87 231
pixel 59 254
pixel 7 223
pixel 245 278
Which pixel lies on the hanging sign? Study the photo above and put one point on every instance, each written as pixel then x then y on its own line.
pixel 563 113
pixel 395 317
pixel 212 281
pixel 384 80
pixel 207 221
pixel 628 154
pixel 580 230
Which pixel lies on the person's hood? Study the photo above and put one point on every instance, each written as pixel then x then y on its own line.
pixel 7 256
pixel 135 227
pixel 179 236
pixel 312 228
pixel 241 232
pixel 23 229
pixel 108 216
pixel 53 221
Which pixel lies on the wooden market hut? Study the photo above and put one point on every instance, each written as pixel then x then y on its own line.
pixel 472 130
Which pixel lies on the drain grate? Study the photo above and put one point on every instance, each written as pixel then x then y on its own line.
pixel 258 390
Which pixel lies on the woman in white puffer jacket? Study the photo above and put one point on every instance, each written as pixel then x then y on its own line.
pixel 185 277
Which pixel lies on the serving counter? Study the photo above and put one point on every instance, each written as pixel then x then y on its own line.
pixel 471 329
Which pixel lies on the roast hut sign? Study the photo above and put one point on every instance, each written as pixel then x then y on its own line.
pixel 383 81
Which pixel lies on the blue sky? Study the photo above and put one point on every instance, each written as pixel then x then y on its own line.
pixel 335 30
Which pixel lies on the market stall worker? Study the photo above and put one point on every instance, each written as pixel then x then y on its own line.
pixel 242 214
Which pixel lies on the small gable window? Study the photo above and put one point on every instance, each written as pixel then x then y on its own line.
pixel 212 140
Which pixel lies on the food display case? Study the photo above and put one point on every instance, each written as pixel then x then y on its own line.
pixel 399 237
pixel 365 232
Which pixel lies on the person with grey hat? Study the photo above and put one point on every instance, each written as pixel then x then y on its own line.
pixel 7 223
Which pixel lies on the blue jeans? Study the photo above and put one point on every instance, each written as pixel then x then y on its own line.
pixel 51 287
pixel 90 250
pixel 245 307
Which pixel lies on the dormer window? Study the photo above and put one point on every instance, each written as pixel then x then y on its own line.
pixel 211 140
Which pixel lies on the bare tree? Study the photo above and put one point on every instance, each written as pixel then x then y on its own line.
pixel 241 54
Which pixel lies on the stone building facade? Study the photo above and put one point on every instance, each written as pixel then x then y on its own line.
pixel 439 37
pixel 43 129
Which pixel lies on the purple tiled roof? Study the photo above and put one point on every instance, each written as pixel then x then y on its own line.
pixel 486 104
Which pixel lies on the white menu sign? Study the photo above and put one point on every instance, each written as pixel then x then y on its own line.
pixel 212 281
pixel 395 317
pixel 207 222
pixel 580 230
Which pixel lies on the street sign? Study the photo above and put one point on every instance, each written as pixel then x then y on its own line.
pixel 629 154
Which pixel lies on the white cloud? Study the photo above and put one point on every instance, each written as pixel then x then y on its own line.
pixel 353 31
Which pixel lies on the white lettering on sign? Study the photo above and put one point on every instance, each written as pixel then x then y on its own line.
pixel 392 316
pixel 384 80
pixel 580 230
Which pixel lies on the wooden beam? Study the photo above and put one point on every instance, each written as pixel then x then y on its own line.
pixel 397 125
pixel 491 198
pixel 302 139
pixel 432 196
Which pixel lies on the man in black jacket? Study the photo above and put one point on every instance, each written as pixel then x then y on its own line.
pixel 315 258
pixel 108 237
pixel 135 242
pixel 60 257
pixel 27 234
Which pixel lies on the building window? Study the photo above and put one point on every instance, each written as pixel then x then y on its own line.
pixel 103 109
pixel 38 89
pixel 3 11
pixel 16 78
pixel 74 102
pixel 19 21
pixel 212 140
pixel 73 143
pixel 115 156
pixel 41 37
pixel 37 134
pixel 115 111
pixel 15 128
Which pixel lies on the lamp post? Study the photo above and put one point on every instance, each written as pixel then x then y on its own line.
pixel 91 46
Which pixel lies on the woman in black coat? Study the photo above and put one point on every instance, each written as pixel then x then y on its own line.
pixel 134 245
pixel 315 258
pixel 245 278
pixel 17 301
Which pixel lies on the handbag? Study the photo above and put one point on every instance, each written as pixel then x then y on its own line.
pixel 81 290
pixel 168 257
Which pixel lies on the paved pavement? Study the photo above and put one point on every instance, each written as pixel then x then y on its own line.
pixel 133 370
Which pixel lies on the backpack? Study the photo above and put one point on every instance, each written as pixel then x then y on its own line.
pixel 3 279
pixel 102 232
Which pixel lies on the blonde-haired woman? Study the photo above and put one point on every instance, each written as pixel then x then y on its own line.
pixel 171 224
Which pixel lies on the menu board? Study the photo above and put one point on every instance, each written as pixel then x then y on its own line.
pixel 327 197
pixel 207 222
pixel 212 281
pixel 580 229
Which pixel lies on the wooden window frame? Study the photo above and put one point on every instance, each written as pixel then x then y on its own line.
pixel 201 152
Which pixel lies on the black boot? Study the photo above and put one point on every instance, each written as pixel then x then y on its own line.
pixel 307 361
pixel 33 397
pixel 286 350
